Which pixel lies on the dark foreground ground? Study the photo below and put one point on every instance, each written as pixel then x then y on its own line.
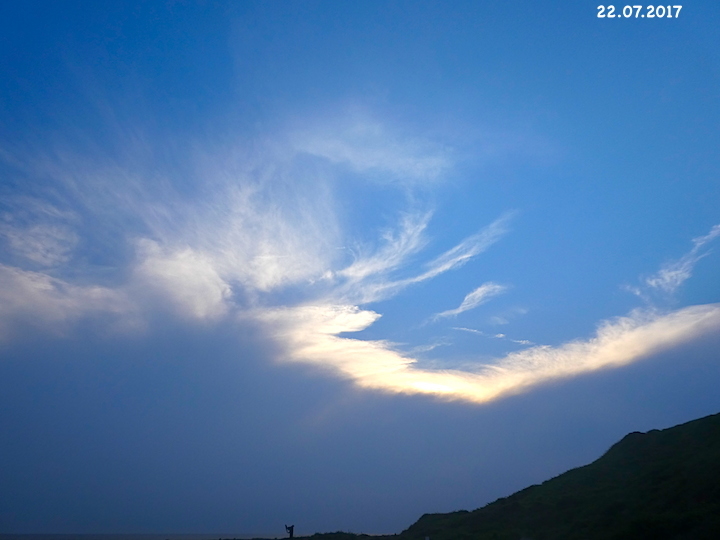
pixel 660 485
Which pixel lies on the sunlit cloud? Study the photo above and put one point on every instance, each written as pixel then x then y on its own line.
pixel 268 225
pixel 673 274
pixel 310 334
pixel 265 245
pixel 473 299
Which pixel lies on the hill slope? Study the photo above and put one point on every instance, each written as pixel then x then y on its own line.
pixel 664 484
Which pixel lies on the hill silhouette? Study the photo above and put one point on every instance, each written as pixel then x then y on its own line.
pixel 659 485
pixel 663 484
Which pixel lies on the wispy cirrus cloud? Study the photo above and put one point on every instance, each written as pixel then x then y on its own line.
pixel 44 244
pixel 37 230
pixel 367 145
pixel 264 245
pixel 473 299
pixel 469 248
pixel 377 285
pixel 266 225
pixel 398 246
pixel 496 336
pixel 673 274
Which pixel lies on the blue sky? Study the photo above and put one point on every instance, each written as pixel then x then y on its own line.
pixel 344 264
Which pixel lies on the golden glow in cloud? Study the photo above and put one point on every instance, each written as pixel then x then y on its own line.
pixel 266 244
pixel 310 334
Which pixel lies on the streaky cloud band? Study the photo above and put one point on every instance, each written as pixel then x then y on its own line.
pixel 311 335
pixel 675 273
pixel 474 299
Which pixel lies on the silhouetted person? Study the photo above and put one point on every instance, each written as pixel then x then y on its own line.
pixel 290 530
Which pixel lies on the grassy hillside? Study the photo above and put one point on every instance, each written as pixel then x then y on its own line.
pixel 664 484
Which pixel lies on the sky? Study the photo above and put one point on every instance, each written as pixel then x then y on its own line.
pixel 340 264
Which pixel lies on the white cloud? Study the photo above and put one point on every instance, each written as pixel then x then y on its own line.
pixel 468 248
pixel 257 223
pixel 470 330
pixel 675 273
pixel 267 239
pixel 377 287
pixel 310 336
pixel 398 246
pixel 44 244
pixel 474 299
pixel 367 145
pixel 38 299
pixel 38 231
pixel 496 336
pixel 260 229
pixel 187 278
